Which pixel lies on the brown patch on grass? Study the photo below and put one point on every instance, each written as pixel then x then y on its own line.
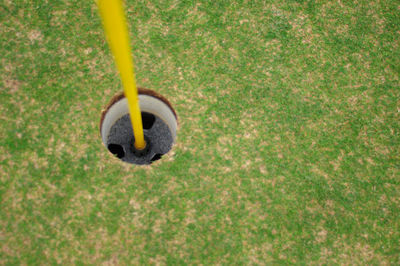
pixel 38 162
pixel 359 254
pixel 12 85
pixel 59 17
pixel 158 260
pixel 263 169
pixel 135 204
pixel 259 255
pixel 112 261
pixel 320 236
pixel 157 227
pixel 35 35
pixel 87 50
pixel 302 29
pixel 325 255
pixel 246 164
pixel 342 29
pixel 336 163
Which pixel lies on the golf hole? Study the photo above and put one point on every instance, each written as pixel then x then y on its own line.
pixel 159 128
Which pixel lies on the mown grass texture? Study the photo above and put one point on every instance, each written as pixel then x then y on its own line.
pixel 288 141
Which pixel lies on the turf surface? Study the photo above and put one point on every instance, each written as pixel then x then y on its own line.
pixel 288 142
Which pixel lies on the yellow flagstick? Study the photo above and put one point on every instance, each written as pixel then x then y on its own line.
pixel 116 30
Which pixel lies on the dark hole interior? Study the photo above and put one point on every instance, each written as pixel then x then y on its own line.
pixel 117 150
pixel 156 157
pixel 148 120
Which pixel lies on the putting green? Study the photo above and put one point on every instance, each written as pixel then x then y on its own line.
pixel 288 143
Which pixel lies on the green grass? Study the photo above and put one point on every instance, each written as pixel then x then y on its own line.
pixel 288 143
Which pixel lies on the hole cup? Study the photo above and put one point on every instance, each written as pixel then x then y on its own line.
pixel 159 127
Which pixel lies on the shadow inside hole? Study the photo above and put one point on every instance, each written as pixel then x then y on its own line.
pixel 117 150
pixel 148 120
pixel 156 157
